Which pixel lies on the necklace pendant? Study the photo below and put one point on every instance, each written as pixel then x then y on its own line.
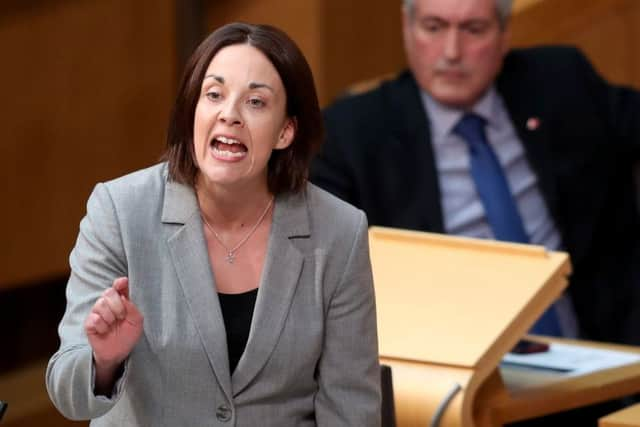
pixel 231 252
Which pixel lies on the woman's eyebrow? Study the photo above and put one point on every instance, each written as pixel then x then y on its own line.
pixel 254 85
pixel 219 79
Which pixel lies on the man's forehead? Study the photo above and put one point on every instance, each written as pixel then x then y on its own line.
pixel 455 10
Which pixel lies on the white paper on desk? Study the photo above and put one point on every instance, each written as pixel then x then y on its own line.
pixel 569 359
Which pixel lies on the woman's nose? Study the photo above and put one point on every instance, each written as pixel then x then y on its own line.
pixel 230 115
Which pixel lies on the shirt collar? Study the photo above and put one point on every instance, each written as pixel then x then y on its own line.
pixel 444 118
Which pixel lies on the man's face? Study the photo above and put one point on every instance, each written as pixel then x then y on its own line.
pixel 454 48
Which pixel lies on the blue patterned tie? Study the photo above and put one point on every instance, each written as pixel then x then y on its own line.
pixel 499 205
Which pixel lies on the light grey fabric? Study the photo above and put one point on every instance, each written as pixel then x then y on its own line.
pixel 311 358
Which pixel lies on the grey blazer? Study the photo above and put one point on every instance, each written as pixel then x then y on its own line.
pixel 311 358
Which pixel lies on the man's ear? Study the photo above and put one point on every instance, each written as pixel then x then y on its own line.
pixel 287 134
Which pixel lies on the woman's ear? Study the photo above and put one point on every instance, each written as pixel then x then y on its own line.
pixel 287 134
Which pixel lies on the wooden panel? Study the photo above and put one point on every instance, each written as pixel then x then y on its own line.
pixel 420 388
pixel 422 291
pixel 88 87
pixel 607 30
pixel 347 42
pixel 342 41
pixel 363 41
pixel 628 417
pixel 301 20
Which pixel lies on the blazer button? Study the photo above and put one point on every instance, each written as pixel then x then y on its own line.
pixel 223 413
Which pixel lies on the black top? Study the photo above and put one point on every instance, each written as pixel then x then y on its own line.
pixel 237 311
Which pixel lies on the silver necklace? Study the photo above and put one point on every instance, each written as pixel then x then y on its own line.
pixel 231 253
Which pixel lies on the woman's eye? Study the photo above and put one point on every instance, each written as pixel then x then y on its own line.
pixel 256 102
pixel 213 96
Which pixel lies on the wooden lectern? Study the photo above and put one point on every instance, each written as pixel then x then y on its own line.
pixel 448 309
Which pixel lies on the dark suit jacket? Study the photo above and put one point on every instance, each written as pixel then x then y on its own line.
pixel 378 157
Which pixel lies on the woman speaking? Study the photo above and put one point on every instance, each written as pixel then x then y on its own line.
pixel 220 288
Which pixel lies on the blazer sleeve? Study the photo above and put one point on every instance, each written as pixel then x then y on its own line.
pixel 348 370
pixel 96 260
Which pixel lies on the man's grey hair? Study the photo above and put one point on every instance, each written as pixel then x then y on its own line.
pixel 503 7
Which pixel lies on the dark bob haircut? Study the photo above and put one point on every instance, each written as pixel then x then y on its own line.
pixel 288 168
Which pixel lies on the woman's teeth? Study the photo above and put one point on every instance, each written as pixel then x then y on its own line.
pixel 228 147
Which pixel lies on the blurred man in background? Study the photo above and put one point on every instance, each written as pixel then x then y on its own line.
pixel 530 146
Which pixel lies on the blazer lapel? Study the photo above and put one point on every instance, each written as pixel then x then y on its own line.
pixel 412 137
pixel 189 254
pixel 529 116
pixel 278 283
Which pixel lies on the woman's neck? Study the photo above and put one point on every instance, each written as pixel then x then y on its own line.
pixel 231 209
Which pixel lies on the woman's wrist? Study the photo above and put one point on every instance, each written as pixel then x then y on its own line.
pixel 106 374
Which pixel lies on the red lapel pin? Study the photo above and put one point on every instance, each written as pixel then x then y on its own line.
pixel 533 123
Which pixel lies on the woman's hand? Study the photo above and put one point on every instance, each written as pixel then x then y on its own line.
pixel 113 328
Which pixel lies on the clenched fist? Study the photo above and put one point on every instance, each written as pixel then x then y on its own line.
pixel 113 328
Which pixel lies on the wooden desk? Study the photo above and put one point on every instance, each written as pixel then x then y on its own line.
pixel 440 338
pixel 513 395
pixel 439 326
pixel 508 395
pixel 628 417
